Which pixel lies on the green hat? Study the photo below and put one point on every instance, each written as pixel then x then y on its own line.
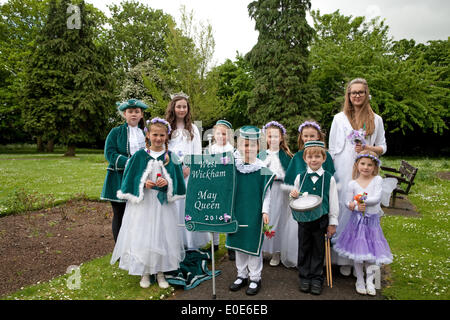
pixel 225 123
pixel 315 143
pixel 132 103
pixel 250 132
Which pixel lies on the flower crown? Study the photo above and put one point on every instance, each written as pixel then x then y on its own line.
pixel 159 120
pixel 276 124
pixel 366 155
pixel 179 94
pixel 309 124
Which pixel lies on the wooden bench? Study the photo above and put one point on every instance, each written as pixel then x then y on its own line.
pixel 405 176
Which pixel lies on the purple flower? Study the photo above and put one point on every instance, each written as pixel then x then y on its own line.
pixel 357 136
pixel 188 218
pixel 225 160
pixel 309 124
pixel 276 124
pixel 226 217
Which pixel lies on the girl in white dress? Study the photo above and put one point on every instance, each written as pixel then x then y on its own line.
pixel 363 240
pixel 277 158
pixel 357 114
pixel 222 135
pixel 148 241
pixel 184 140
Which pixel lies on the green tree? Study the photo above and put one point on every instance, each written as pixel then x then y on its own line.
pixel 20 23
pixel 235 84
pixel 68 91
pixel 280 63
pixel 404 87
pixel 138 33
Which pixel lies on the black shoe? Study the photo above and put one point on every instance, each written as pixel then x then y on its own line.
pixel 236 287
pixel 316 288
pixel 231 255
pixel 253 291
pixel 305 286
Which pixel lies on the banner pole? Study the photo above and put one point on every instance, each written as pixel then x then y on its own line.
pixel 213 267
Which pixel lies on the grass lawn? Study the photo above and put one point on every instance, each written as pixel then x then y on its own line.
pixel 33 181
pixel 421 246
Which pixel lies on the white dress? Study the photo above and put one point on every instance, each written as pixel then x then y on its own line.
pixel 182 145
pixel 148 242
pixel 343 153
pixel 279 210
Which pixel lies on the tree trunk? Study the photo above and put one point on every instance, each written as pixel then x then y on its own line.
pixel 70 151
pixel 50 145
pixel 40 144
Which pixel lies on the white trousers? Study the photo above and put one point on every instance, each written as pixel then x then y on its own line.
pixel 249 266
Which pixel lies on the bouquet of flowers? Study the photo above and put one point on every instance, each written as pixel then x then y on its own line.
pixel 268 232
pixel 357 136
pixel 360 198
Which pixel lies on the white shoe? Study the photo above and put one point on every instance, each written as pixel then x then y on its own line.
pixel 275 259
pixel 371 289
pixel 361 288
pixel 162 280
pixel 345 270
pixel 145 281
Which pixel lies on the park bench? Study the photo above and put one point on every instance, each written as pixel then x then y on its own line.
pixel 405 176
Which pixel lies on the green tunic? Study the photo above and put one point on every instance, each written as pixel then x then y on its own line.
pixel 250 192
pixel 140 166
pixel 298 165
pixel 320 188
pixel 117 152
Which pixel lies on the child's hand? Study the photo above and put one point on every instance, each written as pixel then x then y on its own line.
pixel 265 218
pixel 149 184
pixel 351 205
pixel 186 171
pixel 362 207
pixel 294 193
pixel 331 230
pixel 161 182
pixel 359 147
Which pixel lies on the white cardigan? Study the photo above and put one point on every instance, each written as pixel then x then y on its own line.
pixel 341 128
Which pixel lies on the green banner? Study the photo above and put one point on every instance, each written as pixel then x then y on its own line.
pixel 210 193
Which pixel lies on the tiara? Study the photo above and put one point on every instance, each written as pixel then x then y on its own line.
pixel 159 120
pixel 309 124
pixel 179 94
pixel 276 124
pixel 366 155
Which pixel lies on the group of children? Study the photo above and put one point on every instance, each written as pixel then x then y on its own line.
pixel 152 179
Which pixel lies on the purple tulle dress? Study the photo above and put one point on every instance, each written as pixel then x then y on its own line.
pixel 363 240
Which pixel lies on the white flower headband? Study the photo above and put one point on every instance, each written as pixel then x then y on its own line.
pixel 159 120
pixel 309 124
pixel 366 155
pixel 276 124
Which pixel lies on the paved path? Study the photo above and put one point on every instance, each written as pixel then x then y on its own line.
pixel 278 283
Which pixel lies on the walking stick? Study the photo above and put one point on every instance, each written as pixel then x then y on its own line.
pixel 326 260
pixel 329 262
pixel 213 267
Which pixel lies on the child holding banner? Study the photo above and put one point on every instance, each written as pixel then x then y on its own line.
pixel 184 140
pixel 222 134
pixel 277 158
pixel 253 181
pixel 149 241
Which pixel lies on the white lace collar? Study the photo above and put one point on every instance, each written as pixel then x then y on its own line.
pixel 247 168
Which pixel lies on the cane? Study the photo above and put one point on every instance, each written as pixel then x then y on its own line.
pixel 326 260
pixel 329 262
